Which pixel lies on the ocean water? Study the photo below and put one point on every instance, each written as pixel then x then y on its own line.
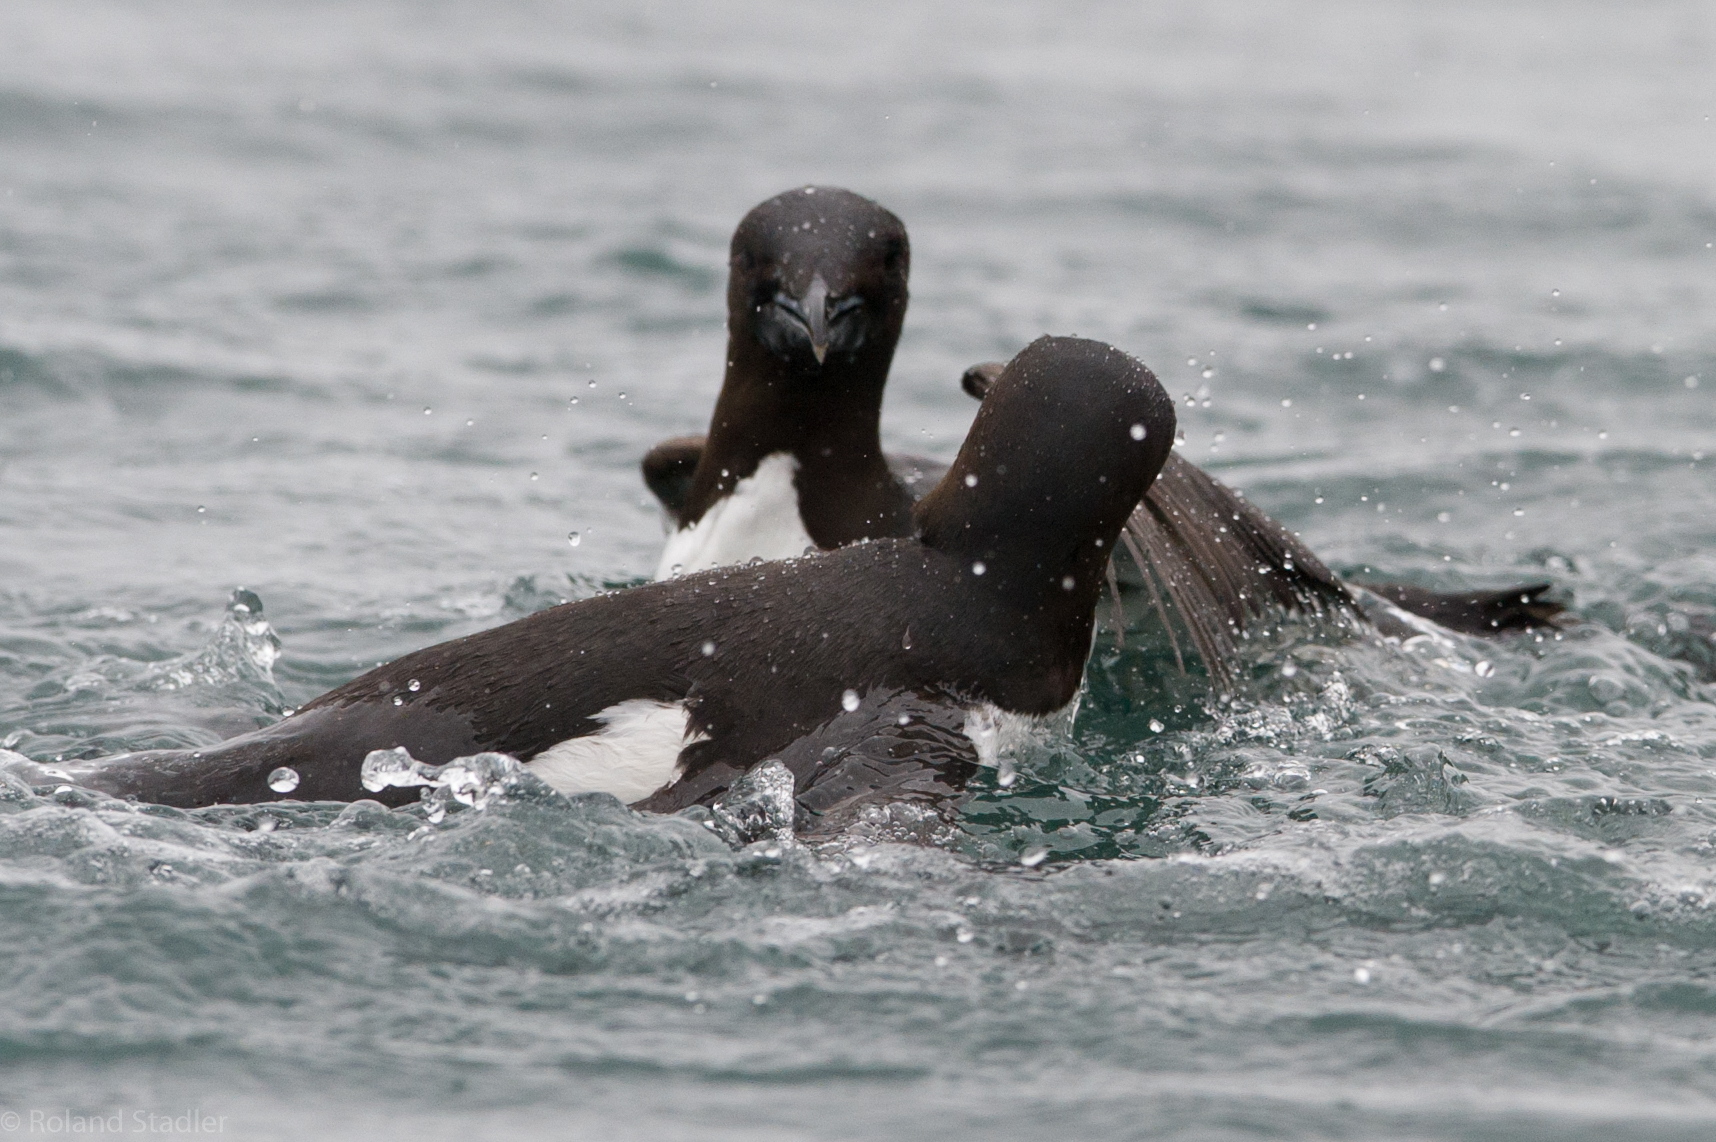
pixel 371 308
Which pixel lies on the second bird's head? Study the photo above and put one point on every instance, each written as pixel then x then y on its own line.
pixel 817 280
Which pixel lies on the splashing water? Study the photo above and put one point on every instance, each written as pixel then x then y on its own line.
pixel 471 781
pixel 758 807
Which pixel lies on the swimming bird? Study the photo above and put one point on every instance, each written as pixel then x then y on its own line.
pixel 816 299
pixel 860 669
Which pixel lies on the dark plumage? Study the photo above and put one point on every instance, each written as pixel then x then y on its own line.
pixel 1210 562
pixel 992 602
pixel 816 294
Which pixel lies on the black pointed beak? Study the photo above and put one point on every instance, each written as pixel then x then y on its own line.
pixel 826 323
pixel 814 307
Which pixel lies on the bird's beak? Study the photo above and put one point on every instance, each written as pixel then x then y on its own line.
pixel 815 307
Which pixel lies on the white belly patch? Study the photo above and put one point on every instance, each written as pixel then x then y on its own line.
pixel 635 752
pixel 759 519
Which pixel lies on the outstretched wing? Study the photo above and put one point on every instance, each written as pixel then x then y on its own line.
pixel 1476 612
pixel 1220 563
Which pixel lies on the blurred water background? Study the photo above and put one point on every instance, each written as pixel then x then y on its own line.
pixel 372 307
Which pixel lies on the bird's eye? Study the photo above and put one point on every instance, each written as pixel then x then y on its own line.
pixel 845 306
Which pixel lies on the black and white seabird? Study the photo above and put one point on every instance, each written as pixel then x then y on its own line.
pixel 816 300
pixel 859 668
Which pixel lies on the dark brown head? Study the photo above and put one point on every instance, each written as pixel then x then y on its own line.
pixel 818 280
pixel 1069 438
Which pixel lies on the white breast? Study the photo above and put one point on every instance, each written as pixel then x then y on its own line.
pixel 635 752
pixel 759 519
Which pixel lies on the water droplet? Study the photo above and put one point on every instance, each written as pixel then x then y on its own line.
pixel 1289 669
pixel 574 538
pixel 970 481
pixel 428 412
pixel 1554 293
pixel 1444 517
pixel 1156 727
pixel 283 780
pixel 965 935
pixel 906 639
pixel 708 649
pixel 1690 382
pixel 849 701
pixel 201 509
pixel 414 685
pixel 1513 432
pixel 978 568
pixel 398 701
pixel 1361 975
pixel 1034 856
pixel 1137 431
pixel 1068 582
pixel 533 475
pixel 1484 669
pixel 1437 364
pixel 1518 511
pixel 1287 402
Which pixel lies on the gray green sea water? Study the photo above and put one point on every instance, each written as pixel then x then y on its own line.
pixel 371 308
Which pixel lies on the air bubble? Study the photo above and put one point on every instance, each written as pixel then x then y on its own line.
pixel 849 701
pixel 283 780
pixel 1068 582
pixel 708 650
pixel 978 568
pixel 971 481
pixel 1437 364
pixel 574 538
pixel 1137 431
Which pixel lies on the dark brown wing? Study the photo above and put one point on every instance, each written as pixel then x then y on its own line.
pixel 668 468
pixel 1221 563
pixel 1476 612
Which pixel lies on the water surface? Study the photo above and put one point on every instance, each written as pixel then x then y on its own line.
pixel 369 307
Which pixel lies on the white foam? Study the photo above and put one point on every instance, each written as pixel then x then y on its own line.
pixel 758 519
